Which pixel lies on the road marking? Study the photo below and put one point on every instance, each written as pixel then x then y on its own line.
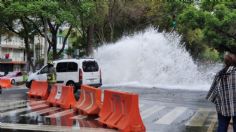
pixel 5 103
pixel 43 111
pixel 213 123
pixel 78 117
pixel 51 128
pixel 60 114
pixel 148 112
pixel 16 106
pixel 13 112
pixel 31 103
pixel 38 106
pixel 171 116
pixel 199 118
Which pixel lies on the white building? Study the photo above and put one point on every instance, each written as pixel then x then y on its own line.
pixel 12 55
pixel 12 51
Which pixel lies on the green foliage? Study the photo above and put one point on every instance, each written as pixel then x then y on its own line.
pixel 210 54
pixel 220 26
pixel 204 27
pixel 207 28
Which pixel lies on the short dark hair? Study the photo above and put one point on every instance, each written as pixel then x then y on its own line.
pixel 231 49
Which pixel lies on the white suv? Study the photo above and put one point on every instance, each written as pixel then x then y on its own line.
pixel 72 72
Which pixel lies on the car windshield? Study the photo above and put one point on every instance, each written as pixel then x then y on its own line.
pixel 11 74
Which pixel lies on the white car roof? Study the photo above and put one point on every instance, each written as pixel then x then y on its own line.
pixel 73 60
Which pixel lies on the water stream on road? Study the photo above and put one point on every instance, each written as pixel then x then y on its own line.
pixel 152 59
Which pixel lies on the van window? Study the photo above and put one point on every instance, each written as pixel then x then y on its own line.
pixel 72 67
pixel 44 70
pixel 61 67
pixel 67 67
pixel 90 66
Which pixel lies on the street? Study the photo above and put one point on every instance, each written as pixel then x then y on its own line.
pixel 162 110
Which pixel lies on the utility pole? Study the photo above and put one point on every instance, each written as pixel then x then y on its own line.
pixel 45 42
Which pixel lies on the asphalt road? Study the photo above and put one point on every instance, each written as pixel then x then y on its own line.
pixel 162 110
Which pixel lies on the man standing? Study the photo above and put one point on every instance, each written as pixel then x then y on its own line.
pixel 223 92
pixel 51 76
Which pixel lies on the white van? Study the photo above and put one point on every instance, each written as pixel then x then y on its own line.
pixel 72 72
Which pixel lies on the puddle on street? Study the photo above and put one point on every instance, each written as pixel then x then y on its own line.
pixel 39 113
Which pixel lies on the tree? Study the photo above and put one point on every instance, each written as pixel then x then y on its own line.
pixel 163 14
pixel 57 14
pixel 191 23
pixel 220 25
pixel 13 20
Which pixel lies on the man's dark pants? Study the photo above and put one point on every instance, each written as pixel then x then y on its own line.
pixel 50 87
pixel 223 123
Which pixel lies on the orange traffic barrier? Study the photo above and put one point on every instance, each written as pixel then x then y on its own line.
pixel 5 83
pixel 120 110
pixel 62 96
pixel 39 89
pixel 51 98
pixel 90 100
pixel 67 98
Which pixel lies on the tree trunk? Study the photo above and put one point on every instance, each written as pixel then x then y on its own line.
pixel 90 39
pixel 27 42
pixel 28 54
pixel 54 46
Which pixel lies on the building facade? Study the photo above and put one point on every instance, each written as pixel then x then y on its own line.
pixel 12 52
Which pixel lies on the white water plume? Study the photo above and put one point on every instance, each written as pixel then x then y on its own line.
pixel 150 59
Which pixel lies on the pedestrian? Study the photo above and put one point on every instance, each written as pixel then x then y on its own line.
pixel 51 76
pixel 223 91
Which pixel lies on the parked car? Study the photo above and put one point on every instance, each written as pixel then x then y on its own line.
pixel 73 72
pixel 1 74
pixel 15 77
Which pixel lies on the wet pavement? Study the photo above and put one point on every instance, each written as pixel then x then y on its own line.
pixel 161 110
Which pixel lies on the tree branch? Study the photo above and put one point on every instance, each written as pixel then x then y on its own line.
pixel 64 41
pixel 35 26
pixel 52 28
pixel 224 33
pixel 11 29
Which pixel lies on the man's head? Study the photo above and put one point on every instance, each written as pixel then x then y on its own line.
pixel 230 56
pixel 50 63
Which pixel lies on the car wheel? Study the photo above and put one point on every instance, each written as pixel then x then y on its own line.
pixel 13 82
pixel 70 83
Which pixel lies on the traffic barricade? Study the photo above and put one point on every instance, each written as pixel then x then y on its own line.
pixel 66 98
pixel 120 110
pixel 39 89
pixel 62 96
pixel 90 100
pixel 5 83
pixel 51 98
